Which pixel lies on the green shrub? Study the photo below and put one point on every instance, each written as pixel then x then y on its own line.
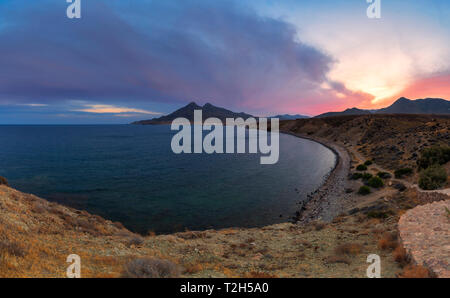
pixel 364 190
pixel 3 181
pixel 361 167
pixel 433 156
pixel 375 182
pixel 377 214
pixel 356 176
pixel 367 176
pixel 403 172
pixel 368 163
pixel 433 177
pixel 384 175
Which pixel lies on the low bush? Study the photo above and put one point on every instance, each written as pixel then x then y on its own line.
pixel 388 241
pixel 367 176
pixel 135 240
pixel 361 167
pixel 375 182
pixel 193 268
pixel 399 186
pixel 384 175
pixel 401 256
pixel 337 259
pixel 3 181
pixel 378 214
pixel 356 176
pixel 318 225
pixel 364 190
pixel 150 268
pixel 348 249
pixel 400 173
pixel 12 248
pixel 433 177
pixel 436 155
pixel 368 163
pixel 38 207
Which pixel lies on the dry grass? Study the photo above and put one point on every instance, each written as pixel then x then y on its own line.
pixel 258 274
pixel 413 271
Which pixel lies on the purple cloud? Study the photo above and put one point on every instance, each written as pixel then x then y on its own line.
pixel 163 51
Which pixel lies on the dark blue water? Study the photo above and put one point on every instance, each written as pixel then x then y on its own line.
pixel 129 174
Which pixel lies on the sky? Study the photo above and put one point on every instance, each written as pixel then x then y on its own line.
pixel 130 60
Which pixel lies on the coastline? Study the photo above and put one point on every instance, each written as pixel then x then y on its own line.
pixel 325 202
pixel 333 217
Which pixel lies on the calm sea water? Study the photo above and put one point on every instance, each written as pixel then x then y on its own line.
pixel 129 174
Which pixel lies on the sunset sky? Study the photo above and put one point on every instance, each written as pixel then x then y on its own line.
pixel 130 60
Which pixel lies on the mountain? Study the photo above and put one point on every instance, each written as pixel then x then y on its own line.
pixel 419 106
pixel 208 111
pixel 401 106
pixel 352 111
pixel 290 117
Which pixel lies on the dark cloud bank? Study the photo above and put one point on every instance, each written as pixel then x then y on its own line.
pixel 167 51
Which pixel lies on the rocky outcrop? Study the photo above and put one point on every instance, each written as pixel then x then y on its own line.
pixel 425 233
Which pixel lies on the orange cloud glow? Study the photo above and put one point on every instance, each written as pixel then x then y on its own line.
pixel 110 109
pixel 437 86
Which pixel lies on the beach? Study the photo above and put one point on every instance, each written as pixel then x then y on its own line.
pixel 327 201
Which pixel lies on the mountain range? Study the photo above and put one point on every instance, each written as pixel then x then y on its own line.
pixel 401 106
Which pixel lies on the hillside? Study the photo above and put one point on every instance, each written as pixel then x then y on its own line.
pixel 392 141
pixel 37 236
pixel 208 111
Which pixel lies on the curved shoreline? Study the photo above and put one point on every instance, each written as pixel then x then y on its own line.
pixel 325 203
